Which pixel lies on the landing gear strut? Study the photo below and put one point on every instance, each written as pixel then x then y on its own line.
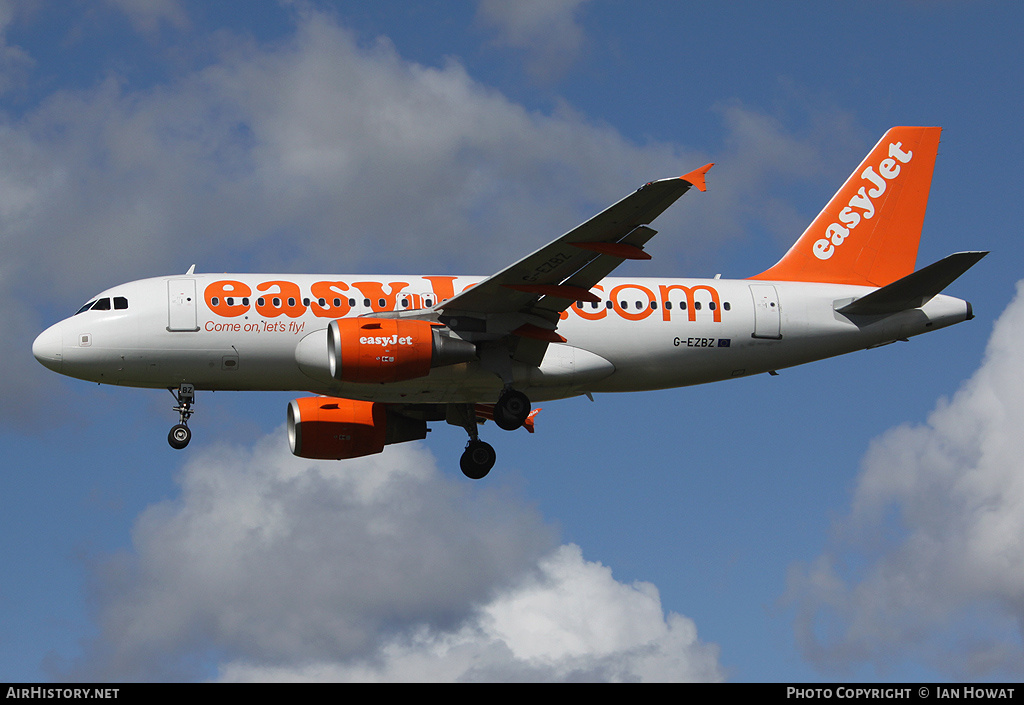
pixel 180 434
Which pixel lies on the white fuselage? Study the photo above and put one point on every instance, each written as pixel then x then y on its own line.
pixel 269 332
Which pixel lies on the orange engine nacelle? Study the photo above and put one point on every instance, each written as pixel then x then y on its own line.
pixel 328 428
pixel 390 349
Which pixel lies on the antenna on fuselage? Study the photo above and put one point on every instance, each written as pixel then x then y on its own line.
pixel 191 270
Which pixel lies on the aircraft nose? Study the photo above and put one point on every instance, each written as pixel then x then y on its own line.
pixel 48 348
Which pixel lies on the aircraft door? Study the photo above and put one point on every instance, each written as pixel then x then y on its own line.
pixel 767 316
pixel 181 305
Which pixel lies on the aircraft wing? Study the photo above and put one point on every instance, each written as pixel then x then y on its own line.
pixel 542 285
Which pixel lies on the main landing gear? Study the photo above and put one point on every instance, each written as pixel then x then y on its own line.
pixel 180 434
pixel 510 412
pixel 512 409
pixel 478 459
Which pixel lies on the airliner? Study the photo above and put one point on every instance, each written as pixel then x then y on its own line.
pixel 381 357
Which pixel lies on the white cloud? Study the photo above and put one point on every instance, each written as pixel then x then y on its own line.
pixel 930 562
pixel 148 15
pixel 15 63
pixel 379 568
pixel 546 29
pixel 570 620
pixel 574 616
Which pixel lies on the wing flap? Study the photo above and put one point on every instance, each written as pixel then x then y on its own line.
pixel 615 249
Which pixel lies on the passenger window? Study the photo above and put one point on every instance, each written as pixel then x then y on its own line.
pixel 696 305
pixel 726 306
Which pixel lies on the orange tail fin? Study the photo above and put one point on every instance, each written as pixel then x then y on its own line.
pixel 869 232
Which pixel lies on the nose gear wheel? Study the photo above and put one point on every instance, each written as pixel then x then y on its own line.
pixel 179 436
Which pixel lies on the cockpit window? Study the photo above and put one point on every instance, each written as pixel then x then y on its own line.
pixel 120 304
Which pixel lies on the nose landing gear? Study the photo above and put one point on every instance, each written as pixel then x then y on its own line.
pixel 180 434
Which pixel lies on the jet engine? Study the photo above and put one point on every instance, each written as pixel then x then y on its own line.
pixel 390 349
pixel 329 428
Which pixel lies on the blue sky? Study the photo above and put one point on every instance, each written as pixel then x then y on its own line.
pixel 856 519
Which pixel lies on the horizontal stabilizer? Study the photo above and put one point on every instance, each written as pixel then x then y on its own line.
pixel 914 290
